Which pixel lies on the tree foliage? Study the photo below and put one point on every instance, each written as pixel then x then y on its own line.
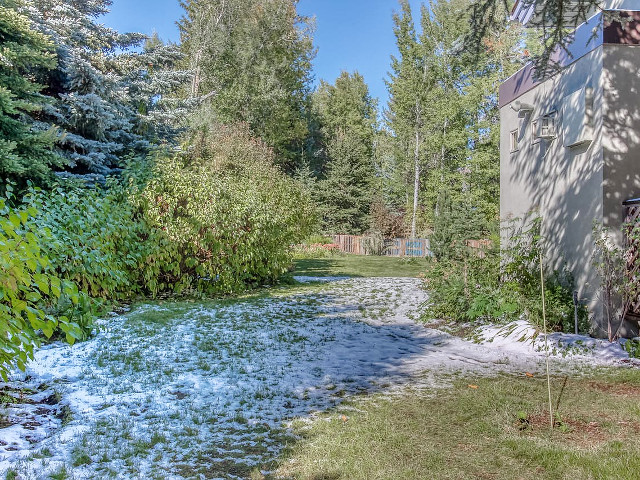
pixel 89 100
pixel 251 61
pixel 25 152
pixel 156 80
pixel 444 117
pixel 347 122
pixel 345 193
pixel 553 21
pixel 228 212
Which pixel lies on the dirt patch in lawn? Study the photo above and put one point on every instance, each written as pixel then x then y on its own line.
pixel 623 389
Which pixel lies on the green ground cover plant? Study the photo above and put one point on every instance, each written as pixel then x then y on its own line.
pixel 479 428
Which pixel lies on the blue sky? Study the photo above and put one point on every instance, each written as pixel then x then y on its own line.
pixel 350 34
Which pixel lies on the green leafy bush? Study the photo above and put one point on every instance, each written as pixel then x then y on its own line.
pixel 217 218
pixel 493 285
pixel 98 238
pixel 28 289
pixel 230 215
pixel 632 347
pixel 467 286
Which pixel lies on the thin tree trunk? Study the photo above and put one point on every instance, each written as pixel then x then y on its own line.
pixel 442 152
pixel 195 82
pixel 416 183
pixel 442 149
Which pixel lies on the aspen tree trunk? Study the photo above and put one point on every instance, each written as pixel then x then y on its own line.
pixel 442 152
pixel 195 82
pixel 416 183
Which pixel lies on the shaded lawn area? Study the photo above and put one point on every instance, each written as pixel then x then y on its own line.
pixel 499 430
pixel 360 266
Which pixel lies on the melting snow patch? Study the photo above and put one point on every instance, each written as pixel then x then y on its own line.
pixel 188 390
pixel 522 338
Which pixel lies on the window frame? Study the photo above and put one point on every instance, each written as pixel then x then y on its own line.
pixel 534 131
pixel 551 118
pixel 514 144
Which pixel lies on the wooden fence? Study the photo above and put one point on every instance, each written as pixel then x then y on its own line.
pixel 349 244
pixel 392 247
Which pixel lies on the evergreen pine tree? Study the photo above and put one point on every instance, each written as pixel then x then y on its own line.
pixel 346 190
pixel 90 100
pixel 155 89
pixel 347 116
pixel 25 152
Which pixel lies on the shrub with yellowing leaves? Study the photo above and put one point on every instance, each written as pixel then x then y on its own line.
pixel 230 214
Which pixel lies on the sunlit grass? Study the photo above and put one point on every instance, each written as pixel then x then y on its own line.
pixel 360 266
pixel 499 430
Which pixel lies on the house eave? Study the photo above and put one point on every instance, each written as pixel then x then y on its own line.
pixel 592 34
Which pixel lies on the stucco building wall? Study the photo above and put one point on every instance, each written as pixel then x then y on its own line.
pixel 621 130
pixel 562 184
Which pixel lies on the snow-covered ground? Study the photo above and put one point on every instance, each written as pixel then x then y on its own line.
pixel 202 390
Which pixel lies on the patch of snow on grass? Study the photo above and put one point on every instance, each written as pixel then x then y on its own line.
pixel 522 338
pixel 205 390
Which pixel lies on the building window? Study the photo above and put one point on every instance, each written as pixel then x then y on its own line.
pixel 547 126
pixel 514 141
pixel 534 131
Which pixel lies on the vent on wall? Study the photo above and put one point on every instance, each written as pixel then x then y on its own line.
pixel 547 127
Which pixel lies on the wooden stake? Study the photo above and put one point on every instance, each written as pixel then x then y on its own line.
pixel 546 341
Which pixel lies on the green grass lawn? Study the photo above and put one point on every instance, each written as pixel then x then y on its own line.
pixel 499 430
pixel 360 266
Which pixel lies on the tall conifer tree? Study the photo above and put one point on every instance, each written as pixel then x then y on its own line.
pixel 25 153
pixel 347 117
pixel 90 100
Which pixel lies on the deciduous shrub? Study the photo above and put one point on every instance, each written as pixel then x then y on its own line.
pixel 229 213
pixel 493 285
pixel 217 218
pixel 99 239
pixel 29 290
pixel 616 268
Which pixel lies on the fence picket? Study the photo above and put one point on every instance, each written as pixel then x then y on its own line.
pixel 395 247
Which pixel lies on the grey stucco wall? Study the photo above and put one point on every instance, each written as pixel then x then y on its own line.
pixel 621 130
pixel 621 138
pixel 563 184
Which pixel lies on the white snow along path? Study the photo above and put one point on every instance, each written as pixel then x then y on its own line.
pixel 201 390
